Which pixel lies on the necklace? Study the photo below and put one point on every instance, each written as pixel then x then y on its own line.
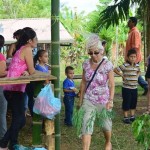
pixel 96 63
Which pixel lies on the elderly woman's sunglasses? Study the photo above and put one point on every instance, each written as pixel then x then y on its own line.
pixel 93 53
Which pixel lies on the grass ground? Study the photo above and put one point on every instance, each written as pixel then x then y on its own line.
pixel 122 137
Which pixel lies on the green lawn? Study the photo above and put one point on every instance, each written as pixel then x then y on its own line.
pixel 122 137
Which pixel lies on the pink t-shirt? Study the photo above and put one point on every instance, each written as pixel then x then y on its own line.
pixel 16 69
pixel 98 91
pixel 2 57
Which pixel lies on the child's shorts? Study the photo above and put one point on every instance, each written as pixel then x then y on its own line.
pixel 129 98
pixel 89 108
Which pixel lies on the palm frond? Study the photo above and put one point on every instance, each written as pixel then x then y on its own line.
pixel 112 14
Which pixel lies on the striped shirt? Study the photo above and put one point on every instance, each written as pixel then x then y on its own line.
pixel 130 74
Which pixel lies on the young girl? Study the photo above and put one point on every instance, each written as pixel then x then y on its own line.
pixel 41 59
pixel 21 64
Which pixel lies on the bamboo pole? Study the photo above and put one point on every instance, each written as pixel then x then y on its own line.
pixel 55 62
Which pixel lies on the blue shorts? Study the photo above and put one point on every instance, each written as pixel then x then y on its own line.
pixel 129 98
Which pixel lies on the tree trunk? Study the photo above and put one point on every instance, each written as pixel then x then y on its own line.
pixel 55 61
pixel 148 29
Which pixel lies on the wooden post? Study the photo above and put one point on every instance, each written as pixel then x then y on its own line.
pixel 49 134
pixel 55 62
pixel 37 120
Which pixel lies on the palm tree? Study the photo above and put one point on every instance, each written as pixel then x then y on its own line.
pixel 119 11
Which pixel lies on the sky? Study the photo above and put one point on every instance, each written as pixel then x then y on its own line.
pixel 82 5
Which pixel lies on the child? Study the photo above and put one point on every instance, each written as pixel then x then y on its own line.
pixel 130 72
pixel 69 94
pixel 42 58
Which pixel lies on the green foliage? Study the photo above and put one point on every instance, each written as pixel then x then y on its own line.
pixel 141 130
pixel 77 119
pixel 120 10
pixel 112 14
pixel 24 8
pixel 74 23
pixel 99 116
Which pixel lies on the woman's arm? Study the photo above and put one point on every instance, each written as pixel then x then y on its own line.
pixel 111 89
pixel 27 52
pixel 111 83
pixel 3 71
pixel 11 49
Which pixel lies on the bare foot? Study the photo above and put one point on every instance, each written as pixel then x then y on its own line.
pixel 108 146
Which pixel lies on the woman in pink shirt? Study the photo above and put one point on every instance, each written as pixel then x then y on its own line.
pixel 21 64
pixel 95 94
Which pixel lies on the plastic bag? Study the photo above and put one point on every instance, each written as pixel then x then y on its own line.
pixel 42 148
pixel 46 104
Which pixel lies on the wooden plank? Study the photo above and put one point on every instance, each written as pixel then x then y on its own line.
pixel 38 76
pixel 115 75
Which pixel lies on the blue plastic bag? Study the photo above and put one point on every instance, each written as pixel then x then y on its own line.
pixel 46 104
pixel 42 148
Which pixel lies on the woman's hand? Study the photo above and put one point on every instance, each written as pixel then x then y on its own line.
pixel 109 105
pixel 46 82
pixel 25 73
pixel 79 104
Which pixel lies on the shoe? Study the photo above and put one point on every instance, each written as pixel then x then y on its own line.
pixel 145 92
pixel 126 120
pixel 132 118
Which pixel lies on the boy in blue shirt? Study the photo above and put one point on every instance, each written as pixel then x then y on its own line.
pixel 69 95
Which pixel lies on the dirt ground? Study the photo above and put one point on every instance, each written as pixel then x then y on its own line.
pixel 122 137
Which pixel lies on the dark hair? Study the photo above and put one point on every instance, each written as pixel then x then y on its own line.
pixel 104 42
pixel 134 20
pixel 68 68
pixel 17 33
pixel 39 54
pixel 27 34
pixel 131 51
pixel 2 40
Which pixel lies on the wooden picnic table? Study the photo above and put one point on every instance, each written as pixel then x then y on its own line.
pixel 38 77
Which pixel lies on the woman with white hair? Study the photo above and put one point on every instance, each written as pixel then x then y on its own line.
pixel 95 94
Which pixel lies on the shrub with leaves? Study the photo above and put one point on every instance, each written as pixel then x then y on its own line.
pixel 99 118
pixel 141 130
